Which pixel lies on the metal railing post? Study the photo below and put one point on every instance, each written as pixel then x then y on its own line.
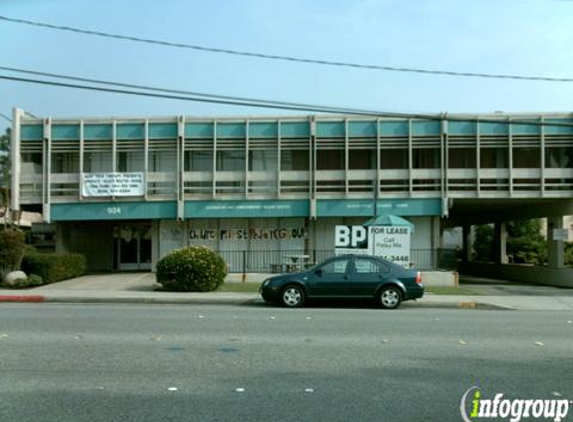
pixel 244 265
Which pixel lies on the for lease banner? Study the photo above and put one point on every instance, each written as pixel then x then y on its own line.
pixel 391 243
pixel 112 184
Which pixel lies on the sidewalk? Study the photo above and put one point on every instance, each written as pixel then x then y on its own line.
pixel 139 288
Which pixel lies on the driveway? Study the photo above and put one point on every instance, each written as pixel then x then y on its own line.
pixel 498 287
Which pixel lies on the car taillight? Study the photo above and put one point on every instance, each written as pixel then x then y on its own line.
pixel 419 278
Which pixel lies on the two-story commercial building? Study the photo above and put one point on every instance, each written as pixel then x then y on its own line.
pixel 125 191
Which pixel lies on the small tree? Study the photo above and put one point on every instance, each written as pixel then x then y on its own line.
pixel 12 245
pixel 5 172
pixel 525 243
pixel 483 243
pixel 5 166
pixel 191 269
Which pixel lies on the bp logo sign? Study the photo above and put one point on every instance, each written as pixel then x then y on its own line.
pixel 389 242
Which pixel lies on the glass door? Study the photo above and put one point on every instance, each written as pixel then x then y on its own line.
pixel 133 247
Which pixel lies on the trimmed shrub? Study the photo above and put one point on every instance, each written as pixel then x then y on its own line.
pixel 12 244
pixel 191 269
pixel 52 267
pixel 35 280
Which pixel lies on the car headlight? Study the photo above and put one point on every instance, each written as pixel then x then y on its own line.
pixel 266 282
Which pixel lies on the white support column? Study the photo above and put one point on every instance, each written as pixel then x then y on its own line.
pixel 346 157
pixel 247 149
pixel 114 148
pixel 478 159
pixel 214 180
pixel 146 159
pixel 15 158
pixel 378 174
pixel 180 186
pixel 81 169
pixel 279 147
pixel 542 146
pixel 47 170
pixel 510 156
pixel 313 211
pixel 410 154
pixel 555 248
pixel 445 162
pixel 312 158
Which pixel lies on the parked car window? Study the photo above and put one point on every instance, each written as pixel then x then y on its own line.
pixel 335 267
pixel 368 266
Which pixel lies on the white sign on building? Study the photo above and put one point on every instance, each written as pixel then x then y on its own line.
pixel 112 184
pixel 561 234
pixel 389 242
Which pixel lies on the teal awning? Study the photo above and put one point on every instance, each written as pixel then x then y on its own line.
pixel 389 220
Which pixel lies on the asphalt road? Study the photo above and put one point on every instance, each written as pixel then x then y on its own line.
pixel 261 363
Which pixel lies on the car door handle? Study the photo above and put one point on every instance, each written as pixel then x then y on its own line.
pixel 346 277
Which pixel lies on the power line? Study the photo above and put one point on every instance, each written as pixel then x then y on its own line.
pixel 6 117
pixel 187 97
pixel 158 89
pixel 238 101
pixel 284 58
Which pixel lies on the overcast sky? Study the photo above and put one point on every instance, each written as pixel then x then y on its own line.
pixel 523 37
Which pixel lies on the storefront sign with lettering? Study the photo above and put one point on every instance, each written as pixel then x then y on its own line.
pixel 248 234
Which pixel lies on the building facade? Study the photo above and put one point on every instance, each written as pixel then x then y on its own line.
pixel 262 190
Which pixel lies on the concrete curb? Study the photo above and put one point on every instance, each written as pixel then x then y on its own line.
pixel 22 298
pixel 153 300
pixel 232 301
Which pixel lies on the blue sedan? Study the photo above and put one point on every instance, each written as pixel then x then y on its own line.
pixel 347 276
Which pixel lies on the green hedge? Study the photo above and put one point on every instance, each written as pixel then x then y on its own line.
pixel 12 246
pixel 191 269
pixel 53 267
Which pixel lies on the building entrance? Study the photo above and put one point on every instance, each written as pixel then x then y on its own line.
pixel 133 246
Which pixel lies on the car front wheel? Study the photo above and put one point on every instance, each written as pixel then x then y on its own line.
pixel 292 296
pixel 390 297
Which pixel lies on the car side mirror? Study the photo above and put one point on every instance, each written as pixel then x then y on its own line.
pixel 318 272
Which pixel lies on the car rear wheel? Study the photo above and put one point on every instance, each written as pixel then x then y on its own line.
pixel 292 296
pixel 390 297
